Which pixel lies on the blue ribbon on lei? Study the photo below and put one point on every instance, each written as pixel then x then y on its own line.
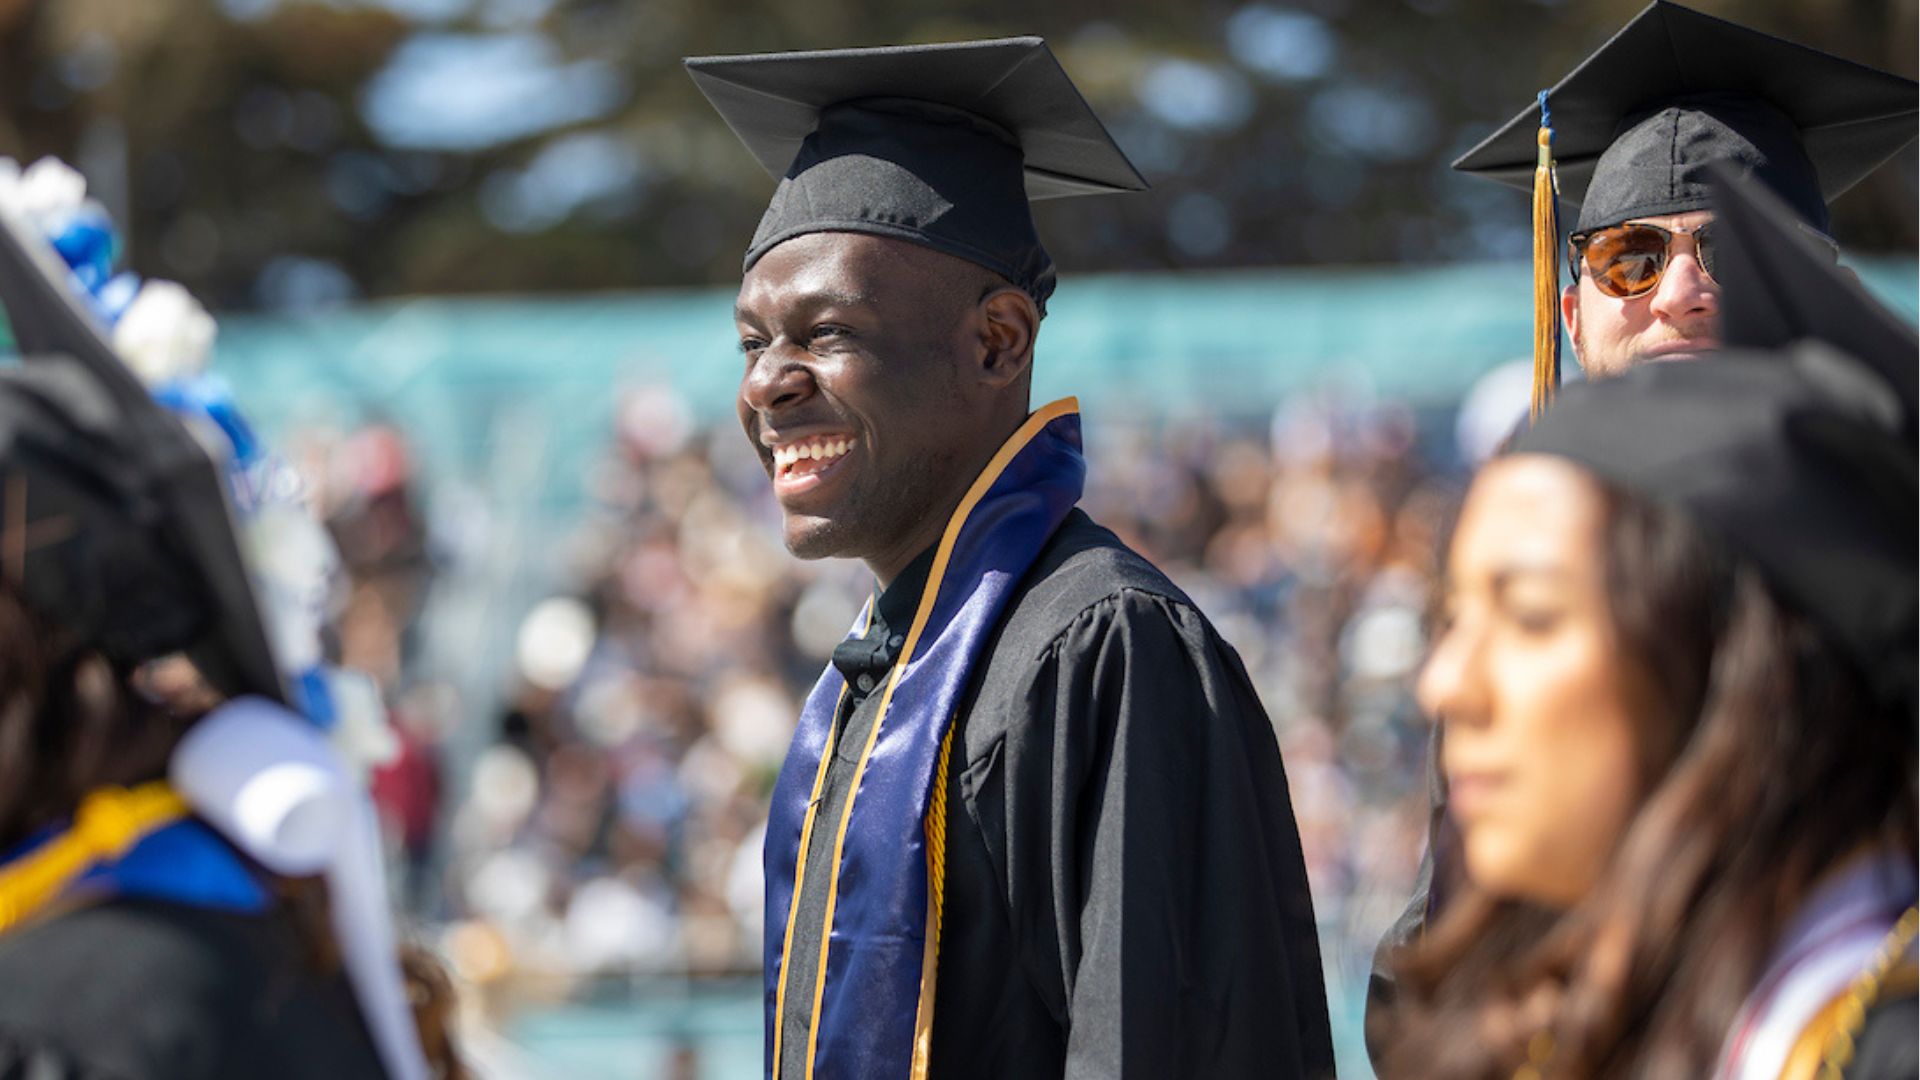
pixel 182 863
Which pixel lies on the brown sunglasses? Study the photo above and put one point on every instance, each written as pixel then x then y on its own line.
pixel 1628 260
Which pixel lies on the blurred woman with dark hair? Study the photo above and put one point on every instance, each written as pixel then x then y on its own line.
pixel 1677 686
pixel 176 958
pixel 189 869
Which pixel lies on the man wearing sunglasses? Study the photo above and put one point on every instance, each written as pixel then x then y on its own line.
pixel 1633 130
pixel 1649 287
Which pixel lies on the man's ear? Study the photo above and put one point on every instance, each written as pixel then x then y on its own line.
pixel 1009 322
pixel 1570 315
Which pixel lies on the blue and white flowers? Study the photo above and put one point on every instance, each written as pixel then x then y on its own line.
pixel 166 337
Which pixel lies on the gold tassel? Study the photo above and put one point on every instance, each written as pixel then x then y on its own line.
pixel 1546 275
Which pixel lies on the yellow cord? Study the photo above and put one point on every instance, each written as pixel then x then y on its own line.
pixel 936 903
pixel 110 821
pixel 1839 1047
pixel 937 833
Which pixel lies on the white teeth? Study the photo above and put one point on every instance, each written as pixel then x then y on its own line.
pixel 785 456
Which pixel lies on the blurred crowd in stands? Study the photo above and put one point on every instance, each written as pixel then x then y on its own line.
pixel 608 821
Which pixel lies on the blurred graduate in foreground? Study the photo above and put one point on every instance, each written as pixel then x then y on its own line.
pixel 190 876
pixel 1677 683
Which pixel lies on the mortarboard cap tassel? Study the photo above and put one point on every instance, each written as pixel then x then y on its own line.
pixel 1546 272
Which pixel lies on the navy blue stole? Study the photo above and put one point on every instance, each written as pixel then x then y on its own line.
pixel 873 997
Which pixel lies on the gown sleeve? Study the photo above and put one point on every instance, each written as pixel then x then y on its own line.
pixel 1186 933
pixel 27 1059
pixel 1441 858
pixel 146 989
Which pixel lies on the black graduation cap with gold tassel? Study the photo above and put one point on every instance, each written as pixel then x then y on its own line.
pixel 1631 132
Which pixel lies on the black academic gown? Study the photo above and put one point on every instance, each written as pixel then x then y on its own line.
pixel 1125 892
pixel 1442 858
pixel 148 990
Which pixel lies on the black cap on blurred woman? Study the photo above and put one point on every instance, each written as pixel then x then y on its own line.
pixel 114 518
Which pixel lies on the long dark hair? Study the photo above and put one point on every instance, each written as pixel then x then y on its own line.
pixel 71 720
pixel 1765 763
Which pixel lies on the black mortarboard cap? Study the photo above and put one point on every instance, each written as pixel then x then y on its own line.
pixel 1779 285
pixel 939 145
pixel 1795 450
pixel 114 519
pixel 1635 125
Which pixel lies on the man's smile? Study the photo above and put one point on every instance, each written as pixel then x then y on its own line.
pixel 804 464
pixel 809 455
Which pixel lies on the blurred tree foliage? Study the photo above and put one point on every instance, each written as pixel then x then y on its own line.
pixel 294 153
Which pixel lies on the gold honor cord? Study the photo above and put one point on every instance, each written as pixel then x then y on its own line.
pixel 1828 1041
pixel 942 555
pixel 109 822
pixel 936 902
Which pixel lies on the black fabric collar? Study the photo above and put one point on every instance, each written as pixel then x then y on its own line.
pixel 873 653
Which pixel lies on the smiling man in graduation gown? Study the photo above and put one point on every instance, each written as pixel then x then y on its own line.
pixel 1033 822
